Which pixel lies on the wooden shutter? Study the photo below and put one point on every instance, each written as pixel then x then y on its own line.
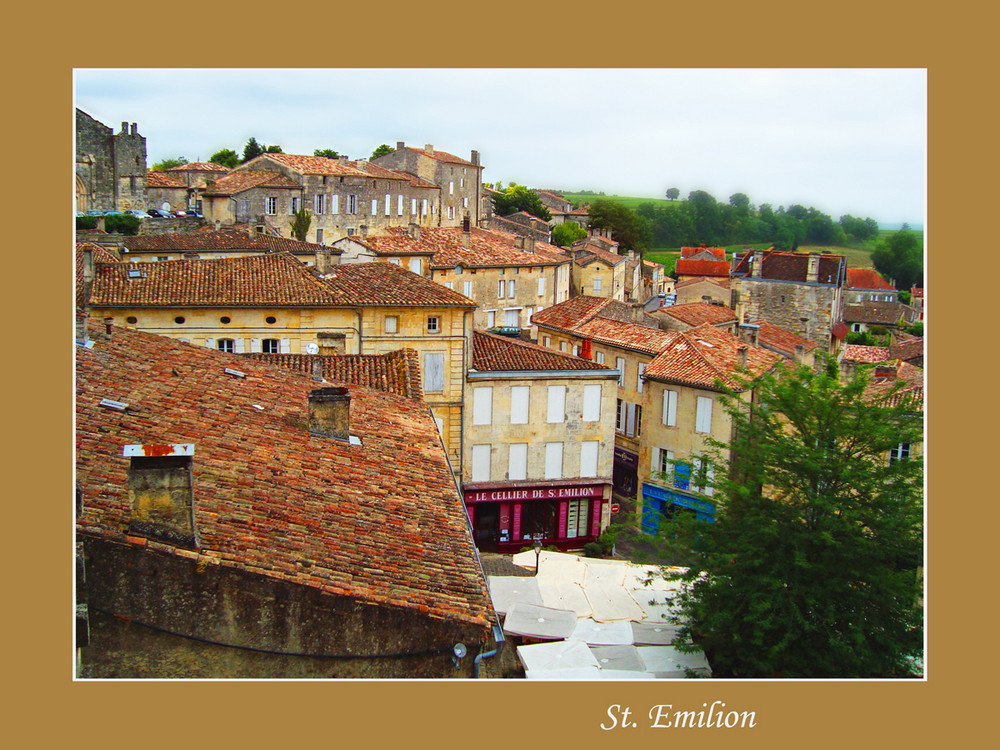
pixel 703 418
pixel 670 408
pixel 480 463
pixel 553 460
pixel 517 466
pixel 239 346
pixel 557 404
pixel 284 346
pixel 519 397
pixel 482 405
pixel 589 450
pixel 592 403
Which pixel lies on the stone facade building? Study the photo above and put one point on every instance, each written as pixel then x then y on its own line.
pixel 165 191
pixel 110 167
pixel 802 293
pixel 539 445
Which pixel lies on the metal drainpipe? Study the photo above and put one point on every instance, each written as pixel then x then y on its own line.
pixel 357 310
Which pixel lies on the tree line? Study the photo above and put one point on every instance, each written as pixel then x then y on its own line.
pixel 227 157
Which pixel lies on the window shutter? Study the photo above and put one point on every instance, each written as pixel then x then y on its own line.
pixel 284 346
pixel 239 346
pixel 588 457
pixel 703 419
pixel 255 346
pixel 670 408
pixel 638 377
pixel 541 286
pixel 510 289
pixel 517 467
pixel 620 365
pixel 557 404
pixel 500 289
pixel 415 266
pixel 480 463
pixel 592 403
pixel 630 419
pixel 482 405
pixel 467 289
pixel 519 396
pixel 553 460
pixel 433 372
pixel 210 343
pixel 491 319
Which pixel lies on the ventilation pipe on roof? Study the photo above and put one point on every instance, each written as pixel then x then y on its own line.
pixel 108 325
pixel 741 356
pixel 329 413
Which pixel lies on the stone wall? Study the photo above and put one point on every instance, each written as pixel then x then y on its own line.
pixel 185 618
pixel 809 310
pixel 110 167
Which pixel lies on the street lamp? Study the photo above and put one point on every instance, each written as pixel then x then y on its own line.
pixel 538 552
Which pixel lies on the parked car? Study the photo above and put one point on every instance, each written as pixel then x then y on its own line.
pixel 192 214
pixel 95 212
pixel 180 214
pixel 137 213
pixel 158 213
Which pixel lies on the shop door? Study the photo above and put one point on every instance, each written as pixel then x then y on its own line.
pixel 485 527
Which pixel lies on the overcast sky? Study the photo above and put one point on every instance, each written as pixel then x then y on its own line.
pixel 842 141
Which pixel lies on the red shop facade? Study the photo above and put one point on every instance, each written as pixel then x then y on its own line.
pixel 508 517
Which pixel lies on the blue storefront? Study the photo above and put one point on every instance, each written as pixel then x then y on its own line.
pixel 659 501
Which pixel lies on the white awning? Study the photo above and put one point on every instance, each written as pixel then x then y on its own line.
pixel 596 633
pixel 557 655
pixel 506 590
pixel 532 621
pixel 666 662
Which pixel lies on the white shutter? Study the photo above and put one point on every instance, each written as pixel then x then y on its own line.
pixel 599 357
pixel 553 460
pixel 239 346
pixel 519 395
pixel 588 457
pixel 541 286
pixel 512 318
pixel 255 345
pixel 670 408
pixel 334 204
pixel 374 206
pixel 467 289
pixel 285 346
pixel 440 425
pixel 703 419
pixel 415 266
pixel 482 405
pixel 510 289
pixel 449 285
pixel 433 372
pixel 638 377
pixel 399 205
pixel 388 204
pixel 480 463
pixel 210 343
pixel 491 319
pixel 592 403
pixel 517 466
pixel 500 289
pixel 630 419
pixel 620 365
pixel 557 404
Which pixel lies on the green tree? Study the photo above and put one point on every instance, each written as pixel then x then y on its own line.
pixel 273 150
pixel 300 223
pixel 329 153
pixel 673 194
pixel 628 228
pixel 740 202
pixel 252 150
pixel 900 257
pixel 519 198
pixel 810 568
pixel 122 224
pixel 382 150
pixel 226 157
pixel 166 164
pixel 567 233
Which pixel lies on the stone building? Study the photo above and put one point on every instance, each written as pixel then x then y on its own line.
pixel 196 177
pixel 110 167
pixel 703 289
pixel 165 191
pixel 683 317
pixel 539 444
pixel 597 271
pixel 867 285
pixel 802 293
pixel 522 224
pixel 343 197
pixel 509 277
pixel 239 520
pixel 275 304
pixel 459 181
pixel 702 263
pixel 207 243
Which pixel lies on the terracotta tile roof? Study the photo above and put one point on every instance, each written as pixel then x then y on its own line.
pixel 230 238
pixel 867 278
pixel 781 340
pixel 697 313
pixel 320 165
pixel 867 354
pixel 718 252
pixel 879 313
pixel 382 522
pixel 163 180
pixel 276 279
pixel 445 157
pixel 606 320
pixel 908 378
pixel 721 283
pixel 488 248
pixel 199 166
pixel 706 355
pixel 690 267
pixel 500 353
pixel 99 254
pixel 241 180
pixel 396 372
pixel 782 266
pixel 586 254
pixel 908 349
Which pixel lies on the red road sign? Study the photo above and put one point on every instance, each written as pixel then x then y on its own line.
pixel 615 507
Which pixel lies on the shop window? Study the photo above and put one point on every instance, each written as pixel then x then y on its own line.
pixel 577 519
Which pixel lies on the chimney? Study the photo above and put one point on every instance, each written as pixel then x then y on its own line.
pixel 800 353
pixel 321 260
pixel 135 129
pixel 519 242
pixel 218 225
pixel 331 342
pixel 475 158
pixel 317 368
pixel 466 232
pixel 107 326
pixel 415 231
pixel 342 158
pixel 88 265
pixel 400 145
pixel 124 128
pixel 429 149
pixel 750 333
pixel 161 493
pixel 363 230
pixel 81 328
pixel 741 356
pixel 757 263
pixel 587 351
pixel 848 368
pixel 885 371
pixel 812 269
pixel 329 413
